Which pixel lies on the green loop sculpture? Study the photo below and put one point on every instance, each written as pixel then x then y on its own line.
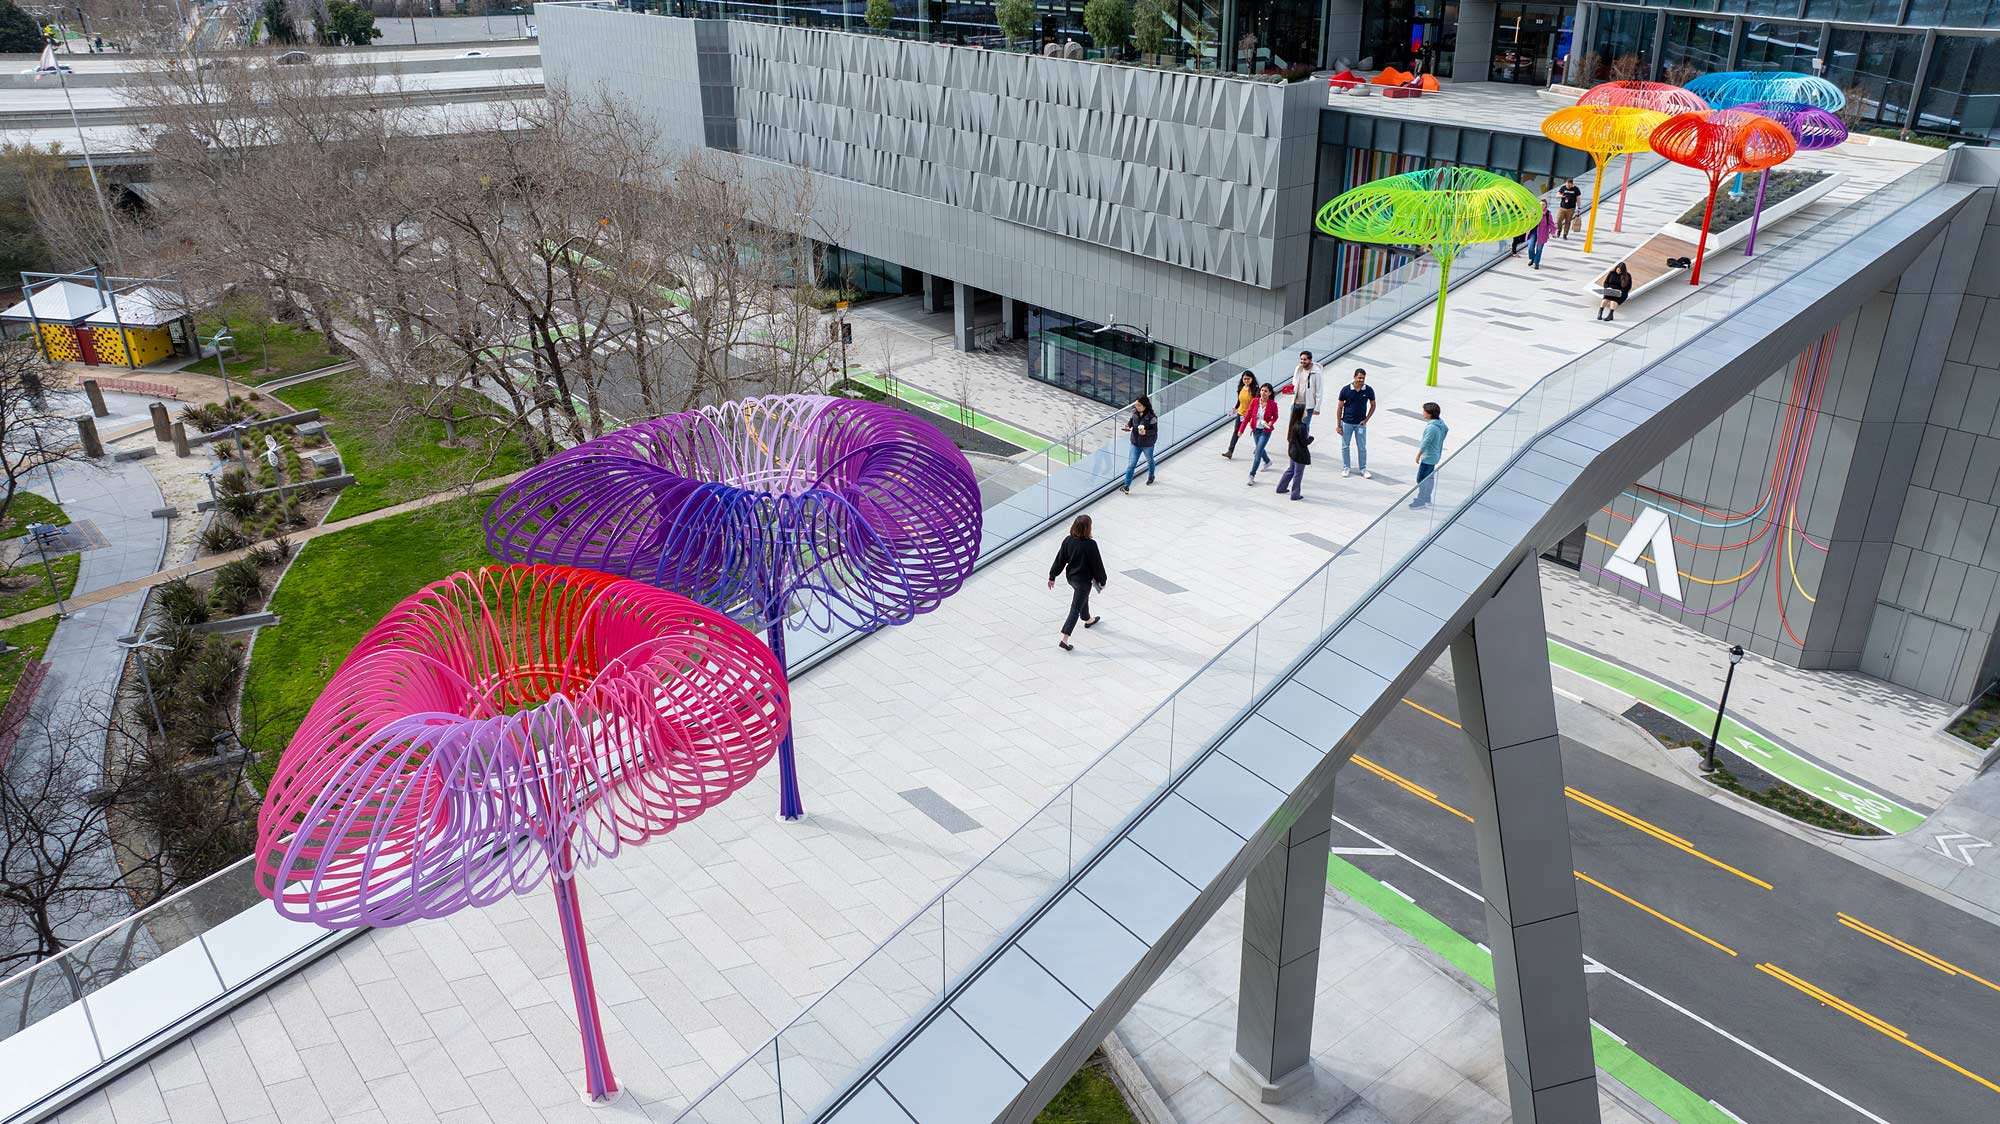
pixel 1442 210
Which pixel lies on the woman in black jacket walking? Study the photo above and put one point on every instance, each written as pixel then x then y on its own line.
pixel 1078 559
pixel 1144 425
pixel 1298 454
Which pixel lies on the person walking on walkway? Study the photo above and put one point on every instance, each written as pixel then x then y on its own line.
pixel 1077 559
pixel 1144 425
pixel 1616 287
pixel 1298 453
pixel 1246 394
pixel 1430 450
pixel 1306 389
pixel 1568 194
pixel 1538 238
pixel 1263 419
pixel 1357 409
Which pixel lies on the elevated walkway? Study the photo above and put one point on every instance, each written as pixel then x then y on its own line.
pixel 923 749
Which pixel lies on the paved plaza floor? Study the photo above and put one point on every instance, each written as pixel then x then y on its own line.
pixel 921 748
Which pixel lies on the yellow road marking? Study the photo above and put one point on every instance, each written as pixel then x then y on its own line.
pixel 1408 785
pixel 1636 904
pixel 1434 714
pixel 1912 951
pixel 1870 1021
pixel 1659 833
pixel 1588 801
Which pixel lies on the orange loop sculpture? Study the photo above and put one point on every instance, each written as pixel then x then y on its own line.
pixel 1603 131
pixel 1660 97
pixel 1716 143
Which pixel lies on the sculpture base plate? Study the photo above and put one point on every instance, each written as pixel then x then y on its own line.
pixel 589 1102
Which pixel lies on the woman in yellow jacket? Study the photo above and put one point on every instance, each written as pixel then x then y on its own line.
pixel 1246 393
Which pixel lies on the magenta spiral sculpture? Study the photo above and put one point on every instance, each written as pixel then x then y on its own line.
pixel 851 513
pixel 1812 129
pixel 506 725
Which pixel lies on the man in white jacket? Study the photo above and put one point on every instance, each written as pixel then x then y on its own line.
pixel 1306 380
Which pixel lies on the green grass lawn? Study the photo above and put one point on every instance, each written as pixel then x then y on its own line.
pixel 19 597
pixel 293 350
pixel 409 463
pixel 29 641
pixel 1089 1097
pixel 30 508
pixel 336 590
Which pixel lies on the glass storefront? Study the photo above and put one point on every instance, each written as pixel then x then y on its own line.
pixel 1770 45
pixel 1697 43
pixel 1527 41
pixel 1962 91
pixel 1878 71
pixel 1622 43
pixel 851 270
pixel 1276 34
pixel 1109 365
pixel 1415 35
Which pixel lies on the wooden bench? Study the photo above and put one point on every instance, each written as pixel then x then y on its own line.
pixel 1648 264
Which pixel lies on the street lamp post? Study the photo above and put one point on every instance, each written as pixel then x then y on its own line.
pixel 40 532
pixel 1708 758
pixel 137 643
pixel 223 336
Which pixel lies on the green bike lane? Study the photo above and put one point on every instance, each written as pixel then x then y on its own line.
pixel 1841 791
pixel 945 408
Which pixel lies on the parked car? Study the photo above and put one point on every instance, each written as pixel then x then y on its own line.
pixel 472 54
pixel 292 58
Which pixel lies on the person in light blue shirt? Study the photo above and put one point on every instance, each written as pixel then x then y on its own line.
pixel 1430 450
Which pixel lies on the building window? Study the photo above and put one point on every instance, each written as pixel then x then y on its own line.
pixel 1878 71
pixel 1111 366
pixel 1419 35
pixel 1697 42
pixel 1527 40
pixel 1622 41
pixel 1276 34
pixel 1963 13
pixel 1962 90
pixel 1860 11
pixel 1769 45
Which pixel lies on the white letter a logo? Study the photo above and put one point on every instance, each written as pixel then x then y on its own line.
pixel 1649 530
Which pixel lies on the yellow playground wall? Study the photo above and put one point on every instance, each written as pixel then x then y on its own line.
pixel 59 344
pixel 148 345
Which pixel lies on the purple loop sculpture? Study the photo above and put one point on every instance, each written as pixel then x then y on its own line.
pixel 851 513
pixel 507 725
pixel 1812 129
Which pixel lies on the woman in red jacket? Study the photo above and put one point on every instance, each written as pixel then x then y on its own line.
pixel 1262 419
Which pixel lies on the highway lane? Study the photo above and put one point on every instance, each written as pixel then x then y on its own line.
pixel 1872 1000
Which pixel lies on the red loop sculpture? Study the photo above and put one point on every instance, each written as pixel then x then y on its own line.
pixel 505 725
pixel 1812 129
pixel 849 512
pixel 1656 97
pixel 1717 142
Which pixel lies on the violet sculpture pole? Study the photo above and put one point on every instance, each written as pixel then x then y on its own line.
pixel 504 726
pixel 1813 128
pixel 796 509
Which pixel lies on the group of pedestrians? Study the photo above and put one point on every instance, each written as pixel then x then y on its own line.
pixel 1614 288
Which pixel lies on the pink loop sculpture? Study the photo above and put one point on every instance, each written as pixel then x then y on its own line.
pixel 1812 129
pixel 847 512
pixel 1658 97
pixel 1716 143
pixel 505 725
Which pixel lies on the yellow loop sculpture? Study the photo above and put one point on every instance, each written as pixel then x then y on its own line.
pixel 1442 210
pixel 1603 131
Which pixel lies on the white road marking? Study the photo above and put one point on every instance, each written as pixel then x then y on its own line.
pixel 1611 1036
pixel 1359 851
pixel 1473 894
pixel 1639 987
pixel 1956 846
pixel 1726 1112
pixel 1399 893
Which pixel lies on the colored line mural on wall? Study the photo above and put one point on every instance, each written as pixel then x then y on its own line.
pixel 1774 521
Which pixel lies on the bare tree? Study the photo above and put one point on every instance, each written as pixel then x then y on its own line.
pixel 34 432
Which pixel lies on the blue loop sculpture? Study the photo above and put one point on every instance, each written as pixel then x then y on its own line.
pixel 1727 89
pixel 1812 129
pixel 850 513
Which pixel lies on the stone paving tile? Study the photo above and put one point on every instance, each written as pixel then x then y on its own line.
pixel 974 701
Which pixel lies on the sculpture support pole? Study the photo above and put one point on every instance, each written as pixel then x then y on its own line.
pixel 599 1085
pixel 1437 331
pixel 1701 247
pixel 1624 185
pixel 1596 189
pixel 790 807
pixel 1756 213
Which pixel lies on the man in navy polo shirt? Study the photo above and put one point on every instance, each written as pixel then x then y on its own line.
pixel 1357 407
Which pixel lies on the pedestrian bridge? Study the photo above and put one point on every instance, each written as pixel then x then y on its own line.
pixel 982 1002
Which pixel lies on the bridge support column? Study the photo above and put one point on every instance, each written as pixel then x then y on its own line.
pixel 1505 698
pixel 1283 900
pixel 963 297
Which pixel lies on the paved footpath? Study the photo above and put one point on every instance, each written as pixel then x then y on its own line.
pixel 1872 748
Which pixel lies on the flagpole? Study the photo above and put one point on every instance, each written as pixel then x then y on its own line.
pixel 90 166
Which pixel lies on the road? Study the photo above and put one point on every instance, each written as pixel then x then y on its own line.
pixel 1762 940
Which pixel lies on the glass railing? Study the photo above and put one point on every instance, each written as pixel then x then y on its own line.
pixel 819 1054
pixel 77 1012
